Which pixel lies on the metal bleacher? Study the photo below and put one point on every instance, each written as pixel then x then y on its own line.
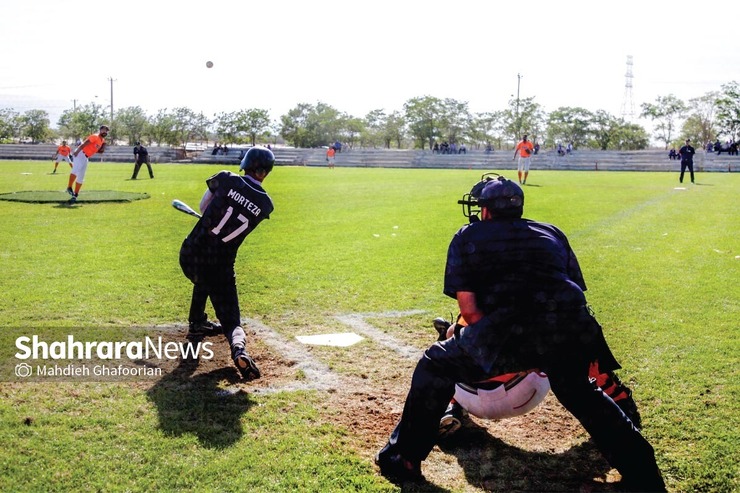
pixel 649 160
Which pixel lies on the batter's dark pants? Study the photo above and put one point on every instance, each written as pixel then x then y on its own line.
pixel 443 364
pixel 219 284
pixel 690 166
pixel 137 167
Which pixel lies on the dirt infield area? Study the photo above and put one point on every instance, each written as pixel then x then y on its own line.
pixel 545 450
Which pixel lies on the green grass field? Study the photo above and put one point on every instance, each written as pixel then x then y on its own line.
pixel 662 265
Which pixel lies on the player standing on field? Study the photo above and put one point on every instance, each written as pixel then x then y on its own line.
pixel 141 156
pixel 232 207
pixel 93 144
pixel 687 160
pixel 62 154
pixel 525 149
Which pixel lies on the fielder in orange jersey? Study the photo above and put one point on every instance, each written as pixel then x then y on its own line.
pixel 62 154
pixel 94 144
pixel 525 149
pixel 330 156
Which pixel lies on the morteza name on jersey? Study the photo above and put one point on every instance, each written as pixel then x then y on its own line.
pixel 245 202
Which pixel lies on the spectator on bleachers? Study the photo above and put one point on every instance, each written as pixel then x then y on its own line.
pixel 216 149
pixel 718 147
pixel 462 149
pixel 435 149
pixel 672 154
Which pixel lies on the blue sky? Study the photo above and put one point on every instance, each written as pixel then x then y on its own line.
pixel 358 56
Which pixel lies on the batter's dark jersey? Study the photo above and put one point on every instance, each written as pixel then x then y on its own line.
pixel 239 204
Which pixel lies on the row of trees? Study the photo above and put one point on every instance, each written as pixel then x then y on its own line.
pixel 422 122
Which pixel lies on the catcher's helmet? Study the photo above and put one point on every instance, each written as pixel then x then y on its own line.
pixel 502 197
pixel 257 159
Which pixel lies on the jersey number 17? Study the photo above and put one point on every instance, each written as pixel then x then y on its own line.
pixel 237 231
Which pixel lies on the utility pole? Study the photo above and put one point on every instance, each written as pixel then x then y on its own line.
pixel 111 99
pixel 518 121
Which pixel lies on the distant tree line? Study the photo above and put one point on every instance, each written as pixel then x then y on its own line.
pixel 419 124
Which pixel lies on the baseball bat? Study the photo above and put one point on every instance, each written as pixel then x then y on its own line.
pixel 183 207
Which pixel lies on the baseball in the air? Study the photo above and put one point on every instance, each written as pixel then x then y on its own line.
pixel 209 64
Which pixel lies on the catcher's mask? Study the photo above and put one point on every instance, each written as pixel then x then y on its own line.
pixel 501 196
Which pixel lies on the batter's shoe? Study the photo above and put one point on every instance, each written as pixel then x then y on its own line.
pixel 245 363
pixel 441 325
pixel 206 328
pixel 397 469
pixel 451 421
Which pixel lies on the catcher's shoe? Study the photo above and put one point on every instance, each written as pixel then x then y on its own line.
pixel 397 469
pixel 441 325
pixel 205 328
pixel 451 421
pixel 245 363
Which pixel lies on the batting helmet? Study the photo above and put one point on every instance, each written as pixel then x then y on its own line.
pixel 258 159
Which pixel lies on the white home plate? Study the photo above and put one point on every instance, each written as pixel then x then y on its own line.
pixel 680 188
pixel 342 340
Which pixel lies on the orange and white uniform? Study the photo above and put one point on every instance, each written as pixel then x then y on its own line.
pixel 330 156
pixel 63 152
pixel 92 145
pixel 525 149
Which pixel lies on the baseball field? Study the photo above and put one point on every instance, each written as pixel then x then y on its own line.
pixel 350 251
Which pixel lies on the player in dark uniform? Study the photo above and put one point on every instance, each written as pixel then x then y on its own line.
pixel 686 153
pixel 232 207
pixel 517 283
pixel 141 156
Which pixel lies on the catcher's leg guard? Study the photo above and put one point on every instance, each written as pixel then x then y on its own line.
pixel 619 393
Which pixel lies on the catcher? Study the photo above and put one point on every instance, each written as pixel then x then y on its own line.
pixel 515 394
pixel 519 286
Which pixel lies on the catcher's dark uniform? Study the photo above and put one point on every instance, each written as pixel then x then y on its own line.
pixel 208 253
pixel 528 284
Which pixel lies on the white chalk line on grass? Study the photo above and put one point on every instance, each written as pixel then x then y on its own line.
pixel 357 322
pixel 318 376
